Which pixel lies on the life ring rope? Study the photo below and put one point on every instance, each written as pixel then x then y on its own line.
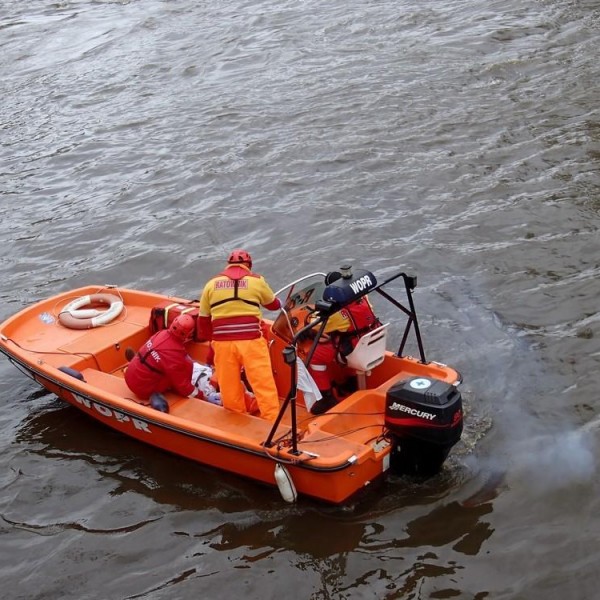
pixel 75 316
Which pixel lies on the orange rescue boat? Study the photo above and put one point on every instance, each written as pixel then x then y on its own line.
pixel 403 415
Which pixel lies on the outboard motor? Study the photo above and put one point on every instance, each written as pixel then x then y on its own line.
pixel 425 419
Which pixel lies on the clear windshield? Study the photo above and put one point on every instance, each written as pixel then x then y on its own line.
pixel 298 300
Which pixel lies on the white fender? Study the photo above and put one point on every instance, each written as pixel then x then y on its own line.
pixel 286 486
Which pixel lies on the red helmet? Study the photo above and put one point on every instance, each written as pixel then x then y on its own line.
pixel 182 327
pixel 239 256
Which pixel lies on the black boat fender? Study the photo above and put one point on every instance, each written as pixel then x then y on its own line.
pixel 72 372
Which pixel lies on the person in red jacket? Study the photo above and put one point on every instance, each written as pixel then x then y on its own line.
pixel 230 316
pixel 342 332
pixel 163 364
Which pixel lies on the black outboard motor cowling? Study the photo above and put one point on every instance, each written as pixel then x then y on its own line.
pixel 425 418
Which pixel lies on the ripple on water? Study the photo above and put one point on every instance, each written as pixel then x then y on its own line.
pixel 143 140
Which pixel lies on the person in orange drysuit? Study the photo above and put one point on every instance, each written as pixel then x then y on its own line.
pixel 230 316
pixel 342 332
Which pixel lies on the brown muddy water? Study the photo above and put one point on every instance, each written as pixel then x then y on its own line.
pixel 141 140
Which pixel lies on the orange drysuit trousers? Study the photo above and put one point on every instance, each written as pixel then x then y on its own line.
pixel 253 355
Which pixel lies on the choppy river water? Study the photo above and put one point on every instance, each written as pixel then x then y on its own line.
pixel 141 140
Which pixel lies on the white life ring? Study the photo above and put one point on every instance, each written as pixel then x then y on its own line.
pixel 74 316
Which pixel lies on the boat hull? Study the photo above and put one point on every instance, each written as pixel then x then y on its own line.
pixel 335 455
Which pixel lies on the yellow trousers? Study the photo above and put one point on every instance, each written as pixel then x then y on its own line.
pixel 253 355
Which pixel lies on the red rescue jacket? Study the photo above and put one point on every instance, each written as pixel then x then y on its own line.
pixel 161 364
pixel 362 319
